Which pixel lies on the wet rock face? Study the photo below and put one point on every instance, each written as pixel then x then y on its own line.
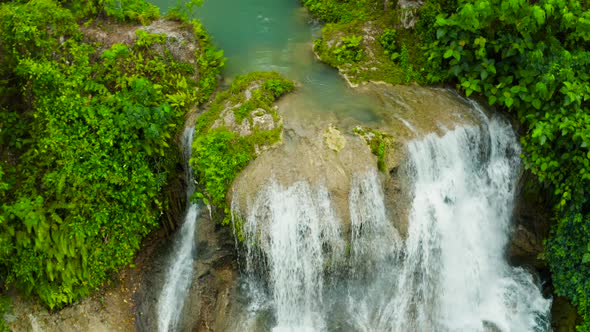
pixel 215 275
pixel 564 316
pixel 214 281
pixel 409 12
pixel 526 245
pixel 532 221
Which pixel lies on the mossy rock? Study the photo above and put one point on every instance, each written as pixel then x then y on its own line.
pixel 240 123
pixel 381 144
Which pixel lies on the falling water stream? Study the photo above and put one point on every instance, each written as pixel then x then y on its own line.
pixel 306 271
pixel 180 271
pixel 449 274
pixel 454 276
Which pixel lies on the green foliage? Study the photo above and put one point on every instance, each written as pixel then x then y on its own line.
pixel 388 39
pixel 273 85
pixel 131 11
pixel 210 61
pixel 83 181
pixel 379 143
pixel 138 11
pixel 332 11
pixel 407 66
pixel 220 154
pixel 183 10
pixel 4 309
pixel 532 58
pixel 566 252
pixel 364 41
pixel 350 50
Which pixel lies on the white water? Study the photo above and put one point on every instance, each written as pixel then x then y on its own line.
pixel 450 274
pixel 179 273
pixel 297 230
pixel 455 276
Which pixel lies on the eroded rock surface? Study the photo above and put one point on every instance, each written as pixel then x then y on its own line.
pixel 323 149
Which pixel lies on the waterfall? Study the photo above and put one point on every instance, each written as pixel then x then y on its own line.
pixel 179 274
pixel 454 276
pixel 450 272
pixel 297 230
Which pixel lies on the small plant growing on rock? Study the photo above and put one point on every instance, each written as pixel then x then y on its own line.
pixel 378 143
pixel 388 41
pixel 350 49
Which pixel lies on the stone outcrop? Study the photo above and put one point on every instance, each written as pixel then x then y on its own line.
pixel 180 40
pixel 259 119
pixel 532 219
pixel 323 149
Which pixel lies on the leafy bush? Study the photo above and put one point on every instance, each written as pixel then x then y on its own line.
pixel 350 49
pixel 138 11
pixel 388 40
pixel 332 11
pixel 567 254
pixel 219 156
pixel 85 184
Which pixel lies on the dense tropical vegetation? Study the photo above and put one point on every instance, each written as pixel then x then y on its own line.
pixel 87 140
pixel 87 130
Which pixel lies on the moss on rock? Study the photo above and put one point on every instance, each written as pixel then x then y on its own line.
pixel 363 48
pixel 239 124
pixel 379 143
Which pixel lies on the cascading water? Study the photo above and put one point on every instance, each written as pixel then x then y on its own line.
pixel 296 229
pixel 179 274
pixel 449 274
pixel 454 276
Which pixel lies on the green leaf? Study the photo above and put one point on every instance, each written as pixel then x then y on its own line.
pixel 508 101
